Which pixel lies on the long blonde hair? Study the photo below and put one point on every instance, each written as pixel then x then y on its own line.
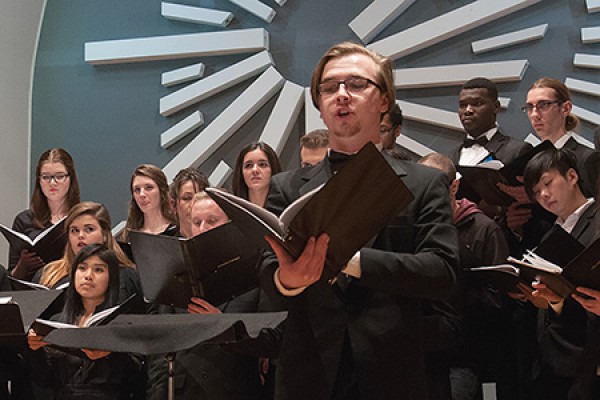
pixel 57 270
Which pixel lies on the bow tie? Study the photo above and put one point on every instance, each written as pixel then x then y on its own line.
pixel 481 140
pixel 338 160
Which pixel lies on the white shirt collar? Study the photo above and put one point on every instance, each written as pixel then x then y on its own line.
pixel 560 143
pixel 569 223
pixel 489 134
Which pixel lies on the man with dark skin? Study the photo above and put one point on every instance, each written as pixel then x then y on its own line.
pixel 478 106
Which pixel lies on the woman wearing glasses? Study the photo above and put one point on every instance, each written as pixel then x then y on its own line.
pixel 56 191
pixel 254 167
pixel 549 109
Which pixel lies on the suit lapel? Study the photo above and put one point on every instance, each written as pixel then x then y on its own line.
pixel 584 229
pixel 315 176
pixel 496 143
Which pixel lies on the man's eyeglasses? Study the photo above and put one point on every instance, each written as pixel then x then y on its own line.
pixel 384 130
pixel 355 84
pixel 57 178
pixel 541 106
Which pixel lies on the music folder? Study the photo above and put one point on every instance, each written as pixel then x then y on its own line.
pixel 351 207
pixel 216 265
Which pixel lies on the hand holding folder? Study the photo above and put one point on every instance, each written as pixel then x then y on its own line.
pixel 351 208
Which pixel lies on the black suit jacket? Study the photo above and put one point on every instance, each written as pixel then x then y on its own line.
pixel 368 331
pixel 561 337
pixel 502 147
pixel 588 166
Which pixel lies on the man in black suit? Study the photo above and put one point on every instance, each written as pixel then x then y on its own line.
pixel 360 337
pixel 389 128
pixel 477 109
pixel 552 179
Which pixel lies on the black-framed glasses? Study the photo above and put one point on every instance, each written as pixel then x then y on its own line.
pixel 57 177
pixel 385 130
pixel 541 106
pixel 355 84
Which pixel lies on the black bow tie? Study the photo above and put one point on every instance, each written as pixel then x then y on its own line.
pixel 481 140
pixel 338 160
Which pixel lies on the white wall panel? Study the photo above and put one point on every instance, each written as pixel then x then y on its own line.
pixel 196 15
pixel 590 35
pixel 181 129
pixel 177 46
pixel 215 83
pixel 577 85
pixel 283 116
pixel 430 115
pixel 220 174
pixel 376 17
pixel 227 123
pixel 451 75
pixel 586 60
pixel 312 116
pixel 257 8
pixel 446 26
pixel 181 75
pixel 509 39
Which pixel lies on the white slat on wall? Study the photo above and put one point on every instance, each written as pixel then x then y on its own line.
pixel 446 26
pixel 215 83
pixel 283 116
pixel 176 46
pixel 509 39
pixel 196 15
pixel 378 15
pixel 452 75
pixel 227 123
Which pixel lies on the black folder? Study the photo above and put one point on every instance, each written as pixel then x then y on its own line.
pixel 49 245
pixel 216 265
pixel 483 181
pixel 352 207
pixel 18 313
pixel 166 333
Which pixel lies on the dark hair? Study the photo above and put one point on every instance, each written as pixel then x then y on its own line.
pixel 73 308
pixel 238 184
pixel 135 217
pixel 561 160
pixel 482 83
pixel 199 180
pixel 441 162
pixel 317 139
pixel 562 94
pixel 395 114
pixel 384 78
pixel 39 202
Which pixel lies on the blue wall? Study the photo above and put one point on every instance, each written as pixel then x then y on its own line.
pixel 107 116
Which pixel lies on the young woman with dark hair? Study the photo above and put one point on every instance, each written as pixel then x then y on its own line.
pixel 86 373
pixel 254 167
pixel 150 206
pixel 56 190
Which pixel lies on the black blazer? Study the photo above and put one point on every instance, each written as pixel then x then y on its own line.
pixel 502 147
pixel 561 337
pixel 588 165
pixel 373 324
